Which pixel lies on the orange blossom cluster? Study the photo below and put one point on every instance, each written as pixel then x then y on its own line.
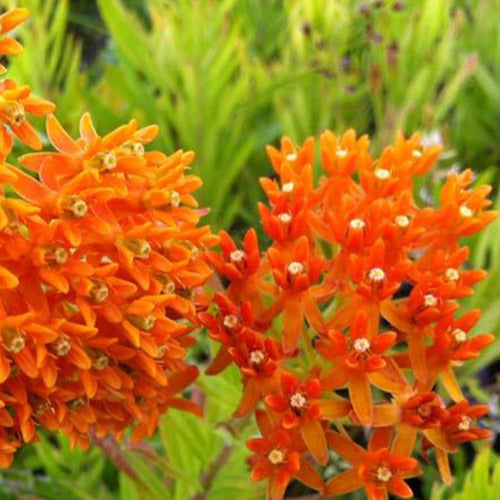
pixel 101 258
pixel 356 293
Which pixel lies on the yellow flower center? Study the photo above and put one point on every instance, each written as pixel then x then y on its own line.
pixel 144 323
pixel 430 300
pixel 466 212
pixel 452 274
pixel 104 161
pixel 298 401
pixel 295 268
pixel 175 199
pixel 285 218
pixel 56 255
pixel 237 256
pixel 376 275
pixel 459 335
pixel 61 346
pixel 288 187
pixel 417 153
pixel 402 221
pixel 40 406
pixel 291 157
pixel 14 112
pixel 75 206
pixel 384 474
pixel 464 424
pixel 99 291
pixel 162 350
pixel 139 247
pixel 276 456
pixel 341 153
pixel 75 404
pixel 424 411
pixel 100 361
pixel 14 339
pixel 230 321
pixel 357 224
pixel 382 174
pixel 135 148
pixel 361 345
pixel 168 286
pixel 256 357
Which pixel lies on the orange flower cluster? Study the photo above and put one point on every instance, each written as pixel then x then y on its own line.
pixel 357 292
pixel 100 263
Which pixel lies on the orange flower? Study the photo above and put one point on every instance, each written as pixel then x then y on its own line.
pixel 451 347
pixel 241 267
pixel 359 362
pixel 296 278
pixel 301 406
pixel 457 428
pixel 376 470
pixel 277 457
pixel 227 328
pixel 258 359
pixel 411 414
pixel 15 102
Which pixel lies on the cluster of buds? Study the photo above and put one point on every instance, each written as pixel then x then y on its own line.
pixel 357 293
pixel 101 260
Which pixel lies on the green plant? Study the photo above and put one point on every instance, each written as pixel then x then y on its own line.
pixel 482 481
pixel 474 125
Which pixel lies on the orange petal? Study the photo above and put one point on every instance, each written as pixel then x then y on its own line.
pixel 186 405
pixel 346 448
pixel 417 350
pixel 385 414
pixel 450 383
pixel 344 483
pixel 444 466
pixel 28 135
pixel 333 408
pixel 438 438
pixel 220 362
pixel 390 378
pixel 399 488
pixel 249 399
pixel 309 475
pixel 380 438
pixel 313 436
pixel 292 325
pixel 275 489
pixel 7 279
pixel 405 439
pixel 87 130
pixel 13 18
pixel 60 138
pixel 360 395
pixel 335 379
pixel 9 46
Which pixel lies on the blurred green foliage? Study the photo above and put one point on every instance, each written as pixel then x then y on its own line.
pixel 226 77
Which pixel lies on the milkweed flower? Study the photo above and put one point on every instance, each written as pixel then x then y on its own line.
pixel 359 289
pixel 101 268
